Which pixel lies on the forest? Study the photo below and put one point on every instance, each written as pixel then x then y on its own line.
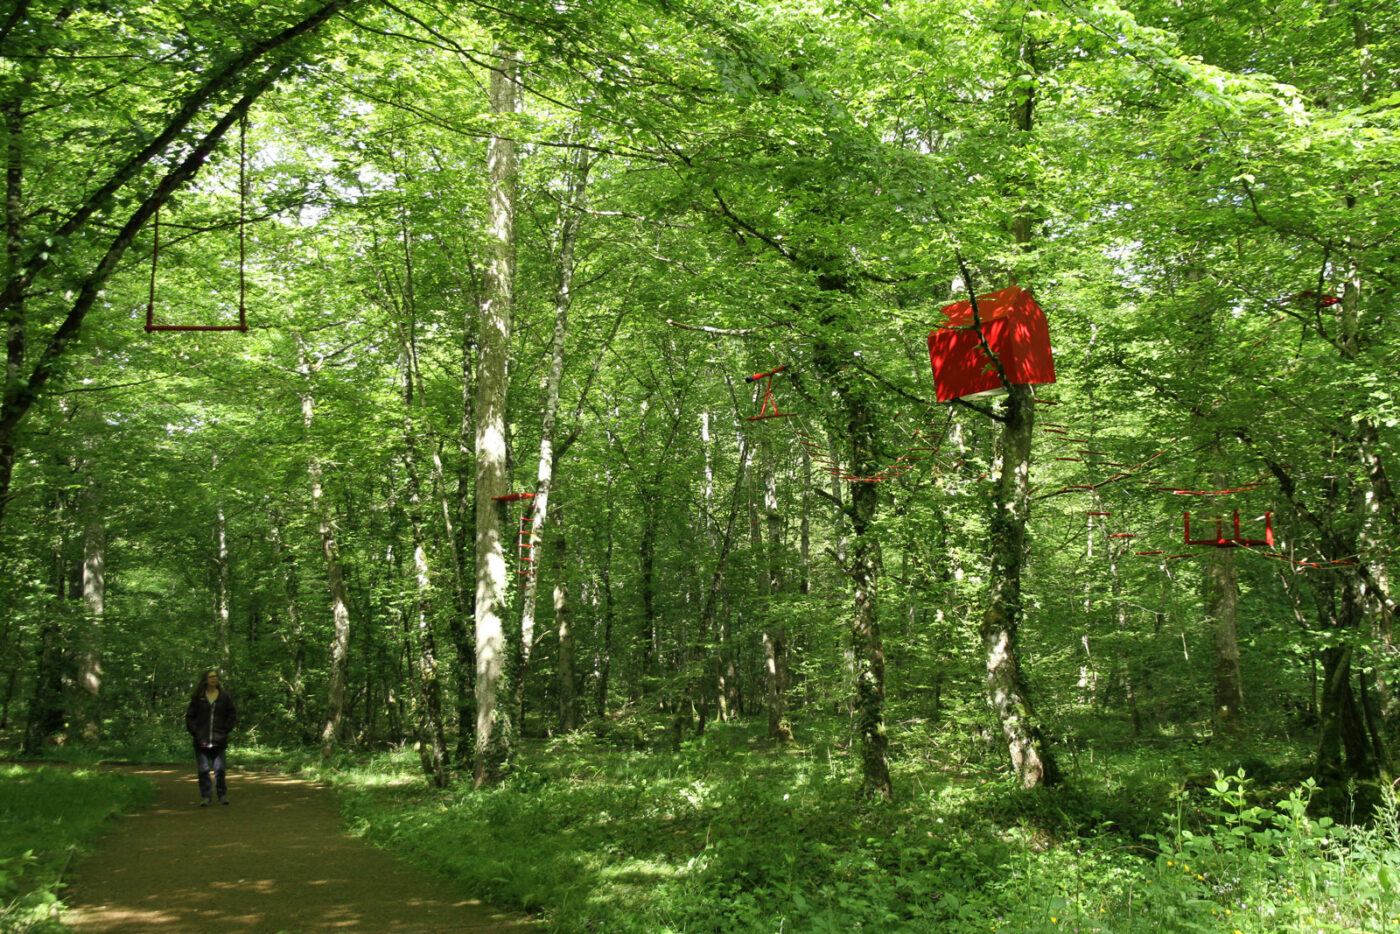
pixel 530 410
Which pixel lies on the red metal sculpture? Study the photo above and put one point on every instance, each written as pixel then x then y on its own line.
pixel 1221 540
pixel 1007 325
pixel 768 400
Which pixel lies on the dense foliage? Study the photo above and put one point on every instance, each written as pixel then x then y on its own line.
pixel 689 194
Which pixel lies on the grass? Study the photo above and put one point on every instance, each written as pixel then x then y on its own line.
pixel 47 814
pixel 730 835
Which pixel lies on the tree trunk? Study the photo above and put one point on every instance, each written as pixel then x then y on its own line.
pixel 563 625
pixel 869 648
pixel 686 706
pixel 45 716
pixel 569 222
pixel 12 300
pixel 1006 689
pixel 604 663
pixel 646 561
pixel 462 625
pixel 863 564
pixel 332 733
pixel 775 660
pixel 432 735
pixel 1344 751
pixel 88 721
pixel 422 637
pixel 221 582
pixel 1344 523
pixel 494 737
pixel 1222 604
pixel 804 585
pixel 294 635
pixel 1007 692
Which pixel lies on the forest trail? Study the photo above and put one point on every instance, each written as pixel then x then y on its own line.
pixel 275 860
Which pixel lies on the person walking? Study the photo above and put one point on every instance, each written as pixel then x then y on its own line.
pixel 210 718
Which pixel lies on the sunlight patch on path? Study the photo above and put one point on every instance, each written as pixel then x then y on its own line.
pixel 275 860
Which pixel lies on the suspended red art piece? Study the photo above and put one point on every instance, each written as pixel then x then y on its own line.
pixel 1224 539
pixel 1011 325
pixel 769 407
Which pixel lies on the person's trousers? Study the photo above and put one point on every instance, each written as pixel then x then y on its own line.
pixel 206 761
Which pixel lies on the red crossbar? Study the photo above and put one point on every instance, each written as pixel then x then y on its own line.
pixel 768 399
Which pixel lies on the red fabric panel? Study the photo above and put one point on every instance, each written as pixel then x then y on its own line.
pixel 1015 330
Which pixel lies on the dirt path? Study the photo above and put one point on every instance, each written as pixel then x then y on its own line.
pixel 274 860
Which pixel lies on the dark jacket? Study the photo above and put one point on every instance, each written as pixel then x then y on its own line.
pixel 209 724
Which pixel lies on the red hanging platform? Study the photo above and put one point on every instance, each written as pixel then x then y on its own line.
pixel 1222 540
pixel 1014 329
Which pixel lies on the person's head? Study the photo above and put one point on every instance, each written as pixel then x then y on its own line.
pixel 208 680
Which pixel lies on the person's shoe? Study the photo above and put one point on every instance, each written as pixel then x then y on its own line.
pixel 223 799
pixel 204 802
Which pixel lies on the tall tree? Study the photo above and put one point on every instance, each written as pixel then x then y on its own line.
pixel 1007 692
pixel 494 729
pixel 569 220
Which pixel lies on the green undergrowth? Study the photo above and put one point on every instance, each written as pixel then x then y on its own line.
pixel 47 814
pixel 730 835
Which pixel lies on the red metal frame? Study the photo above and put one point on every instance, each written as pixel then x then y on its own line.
pixel 1221 541
pixel 768 399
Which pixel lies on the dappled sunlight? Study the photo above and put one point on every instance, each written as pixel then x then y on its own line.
pixel 275 859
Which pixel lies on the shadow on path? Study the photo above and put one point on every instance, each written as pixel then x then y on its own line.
pixel 275 860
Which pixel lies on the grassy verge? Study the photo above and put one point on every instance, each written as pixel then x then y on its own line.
pixel 46 814
pixel 728 835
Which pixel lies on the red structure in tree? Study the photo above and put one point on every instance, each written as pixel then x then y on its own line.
pixel 1221 540
pixel 768 401
pixel 1008 323
pixel 527 524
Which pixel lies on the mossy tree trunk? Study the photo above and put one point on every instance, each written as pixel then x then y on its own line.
pixel 1000 625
